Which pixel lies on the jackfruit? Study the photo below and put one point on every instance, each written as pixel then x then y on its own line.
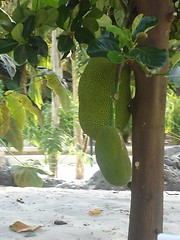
pixel 95 96
pixel 112 156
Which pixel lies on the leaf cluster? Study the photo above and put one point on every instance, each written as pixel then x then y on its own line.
pixel 93 23
pixel 16 108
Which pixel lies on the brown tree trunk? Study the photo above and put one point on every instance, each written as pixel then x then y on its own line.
pixel 148 111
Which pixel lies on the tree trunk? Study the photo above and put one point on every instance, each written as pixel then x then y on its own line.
pixel 55 104
pixel 78 135
pixel 56 65
pixel 23 78
pixel 148 113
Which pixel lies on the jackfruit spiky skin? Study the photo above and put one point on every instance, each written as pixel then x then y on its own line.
pixel 95 96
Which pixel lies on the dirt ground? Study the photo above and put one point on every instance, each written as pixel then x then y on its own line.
pixel 75 214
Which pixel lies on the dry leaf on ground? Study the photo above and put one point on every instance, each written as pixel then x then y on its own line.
pixel 94 212
pixel 22 227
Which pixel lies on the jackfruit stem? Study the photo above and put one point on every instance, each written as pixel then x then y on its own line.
pixel 115 94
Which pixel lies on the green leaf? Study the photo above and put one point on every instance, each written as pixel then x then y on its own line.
pixel 94 13
pixel 175 59
pixel 115 30
pixel 55 84
pixel 26 176
pixel 14 136
pixel 101 46
pixel 150 56
pixel 52 16
pixel 91 24
pixel 35 92
pixel 72 3
pixel 7 45
pixel 123 34
pixel 115 4
pixel 174 76
pixel 83 35
pixel 20 54
pixel 8 26
pixel 146 23
pixel 64 14
pixel 116 57
pixel 18 15
pixel 5 20
pixel 4 16
pixel 136 21
pixel 17 111
pixel 53 3
pixel 17 33
pixel 65 43
pixel 119 16
pixel 104 21
pixel 39 45
pixel 25 3
pixel 174 43
pixel 91 18
pixel 40 17
pixel 84 7
pixel 4 119
pixel 28 105
pixel 76 23
pixel 39 166
pixel 36 4
pixel 100 4
pixel 29 26
pixel 32 56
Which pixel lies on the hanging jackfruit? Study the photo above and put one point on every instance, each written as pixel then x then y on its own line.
pixel 112 156
pixel 95 96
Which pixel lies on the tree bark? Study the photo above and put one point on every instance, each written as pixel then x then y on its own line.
pixel 23 78
pixel 148 113
pixel 55 104
pixel 56 65
pixel 78 135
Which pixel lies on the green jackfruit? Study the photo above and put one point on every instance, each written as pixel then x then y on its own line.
pixel 112 156
pixel 95 96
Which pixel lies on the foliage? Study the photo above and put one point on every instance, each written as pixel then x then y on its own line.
pixel 174 75
pixel 53 82
pixel 93 24
pixel 174 49
pixel 172 126
pixel 13 113
pixel 175 133
pixel 15 105
pixel 29 174
pixel 80 21
pixel 49 138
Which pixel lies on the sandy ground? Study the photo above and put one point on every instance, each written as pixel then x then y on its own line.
pixel 44 206
pixel 35 206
